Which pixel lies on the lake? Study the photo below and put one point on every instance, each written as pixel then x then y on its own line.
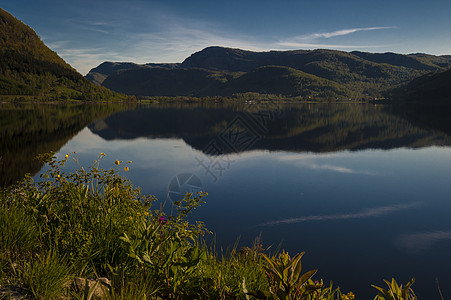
pixel 363 190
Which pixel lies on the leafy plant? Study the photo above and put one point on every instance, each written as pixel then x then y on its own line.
pixel 395 291
pixel 167 248
pixel 286 281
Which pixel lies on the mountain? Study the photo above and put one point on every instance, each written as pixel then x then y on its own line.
pixel 225 71
pixel 433 87
pixel 157 81
pixel 29 68
pixel 98 74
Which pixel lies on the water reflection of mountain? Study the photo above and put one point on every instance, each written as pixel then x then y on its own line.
pixel 32 129
pixel 306 127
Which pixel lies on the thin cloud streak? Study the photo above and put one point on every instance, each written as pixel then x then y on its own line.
pixel 327 46
pixel 312 40
pixel 367 213
pixel 305 161
pixel 342 32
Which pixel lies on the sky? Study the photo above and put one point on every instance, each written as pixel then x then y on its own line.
pixel 87 33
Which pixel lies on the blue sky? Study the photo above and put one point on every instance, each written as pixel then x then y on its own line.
pixel 87 33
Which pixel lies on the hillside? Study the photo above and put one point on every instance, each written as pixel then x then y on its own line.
pixel 157 81
pixel 101 72
pixel 433 87
pixel 227 71
pixel 29 68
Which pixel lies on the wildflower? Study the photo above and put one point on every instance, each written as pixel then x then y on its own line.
pixel 126 169
pixel 67 156
pixel 101 153
pixel 117 163
pixel 350 295
pixel 162 220
pixel 129 162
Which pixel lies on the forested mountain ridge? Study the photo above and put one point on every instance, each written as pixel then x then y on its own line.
pixel 29 68
pixel 102 71
pixel 434 87
pixel 225 71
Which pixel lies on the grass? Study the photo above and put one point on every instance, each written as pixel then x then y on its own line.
pixel 93 224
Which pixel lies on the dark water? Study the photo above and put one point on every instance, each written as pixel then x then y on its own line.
pixel 364 192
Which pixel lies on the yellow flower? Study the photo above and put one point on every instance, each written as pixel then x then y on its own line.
pixel 58 176
pixel 350 295
pixel 126 169
pixel 129 161
pixel 101 153
pixel 67 155
pixel 117 163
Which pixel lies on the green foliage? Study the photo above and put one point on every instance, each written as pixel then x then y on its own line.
pixel 45 277
pixel 167 247
pixel 395 291
pixel 286 281
pixel 20 233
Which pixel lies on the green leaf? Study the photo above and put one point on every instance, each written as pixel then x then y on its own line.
pixel 304 278
pixel 296 267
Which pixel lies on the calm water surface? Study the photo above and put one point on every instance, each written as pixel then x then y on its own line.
pixel 365 193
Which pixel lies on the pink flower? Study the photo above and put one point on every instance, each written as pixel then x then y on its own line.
pixel 162 220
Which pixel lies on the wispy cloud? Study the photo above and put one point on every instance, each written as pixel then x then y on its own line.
pixel 156 35
pixel 178 42
pixel 341 32
pixel 366 213
pixel 313 40
pixel 152 42
pixel 84 59
pixel 420 242
pixel 300 45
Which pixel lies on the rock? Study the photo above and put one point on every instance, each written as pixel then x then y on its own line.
pixel 92 287
pixel 13 292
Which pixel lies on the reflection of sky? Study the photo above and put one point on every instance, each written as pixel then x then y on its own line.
pixel 360 204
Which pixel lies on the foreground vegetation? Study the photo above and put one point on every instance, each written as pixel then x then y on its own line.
pixel 91 234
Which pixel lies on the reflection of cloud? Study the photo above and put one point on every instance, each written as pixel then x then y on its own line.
pixel 367 213
pixel 338 169
pixel 305 161
pixel 419 242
